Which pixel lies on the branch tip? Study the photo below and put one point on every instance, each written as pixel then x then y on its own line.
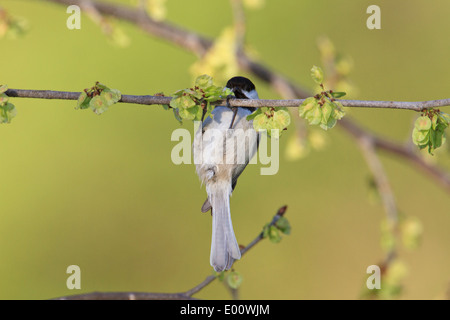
pixel 282 211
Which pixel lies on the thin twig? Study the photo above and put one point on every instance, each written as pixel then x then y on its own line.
pixel 382 183
pixel 239 23
pixel 127 296
pixel 258 103
pixel 187 295
pixel 255 241
pixel 383 186
pixel 441 176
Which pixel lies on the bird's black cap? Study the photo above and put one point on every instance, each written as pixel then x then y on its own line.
pixel 239 84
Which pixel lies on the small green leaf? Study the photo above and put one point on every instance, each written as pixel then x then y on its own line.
pixel 284 225
pixel 175 102
pixel 111 95
pixel 198 112
pixel 260 122
pixel 182 102
pixel 338 95
pixel 438 139
pixel 307 105
pixel 274 234
pixel 209 109
pixel 444 118
pixel 100 86
pixel 188 113
pixel 204 81
pixel 433 138
pixel 252 116
pixel 7 112
pixel 329 125
pixel 331 113
pixel 420 138
pixel 177 115
pixel 3 99
pixel 186 102
pixel 339 112
pixel 3 88
pixel 423 123
pixel 194 94
pixel 156 9
pixel 178 93
pixel 327 110
pixel 83 101
pixel 219 275
pixel 98 104
pixel 234 279
pixel 434 121
pixel 281 118
pixel 411 232
pixel 391 281
pixel 315 116
pixel 317 74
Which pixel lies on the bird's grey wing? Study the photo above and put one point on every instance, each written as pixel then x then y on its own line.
pixel 239 169
pixel 206 205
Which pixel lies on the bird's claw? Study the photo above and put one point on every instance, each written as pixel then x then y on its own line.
pixel 234 109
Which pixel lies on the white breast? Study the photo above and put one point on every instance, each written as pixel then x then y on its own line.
pixel 223 149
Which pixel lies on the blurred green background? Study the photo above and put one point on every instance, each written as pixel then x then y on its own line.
pixel 101 192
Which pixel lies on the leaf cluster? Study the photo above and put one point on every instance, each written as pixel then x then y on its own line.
pixel 98 98
pixel 429 129
pixel 7 109
pixel 323 109
pixel 270 119
pixel 195 103
pixel 274 231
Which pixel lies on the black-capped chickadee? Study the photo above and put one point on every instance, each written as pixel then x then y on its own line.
pixel 226 142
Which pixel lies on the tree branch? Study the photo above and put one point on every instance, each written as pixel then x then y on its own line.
pixel 258 103
pixel 199 45
pixel 387 196
pixel 127 296
pixel 185 39
pixel 187 295
pixel 239 23
pixel 438 174
pixel 383 186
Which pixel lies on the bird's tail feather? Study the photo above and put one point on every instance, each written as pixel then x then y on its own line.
pixel 224 247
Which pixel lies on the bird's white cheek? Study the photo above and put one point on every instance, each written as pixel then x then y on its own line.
pixel 252 94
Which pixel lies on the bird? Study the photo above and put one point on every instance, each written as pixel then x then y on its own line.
pixel 225 135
